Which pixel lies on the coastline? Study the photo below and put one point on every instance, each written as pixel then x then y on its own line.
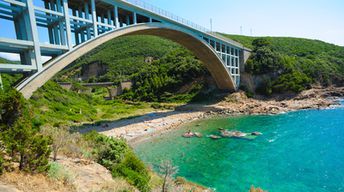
pixel 143 128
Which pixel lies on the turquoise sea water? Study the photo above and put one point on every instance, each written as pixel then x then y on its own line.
pixel 299 151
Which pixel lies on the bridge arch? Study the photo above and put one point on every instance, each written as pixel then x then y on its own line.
pixel 183 36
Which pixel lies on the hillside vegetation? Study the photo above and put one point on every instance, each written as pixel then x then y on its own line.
pixel 175 75
pixel 293 64
pixel 170 68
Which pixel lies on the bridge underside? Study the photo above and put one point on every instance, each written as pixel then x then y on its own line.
pixel 71 28
pixel 201 50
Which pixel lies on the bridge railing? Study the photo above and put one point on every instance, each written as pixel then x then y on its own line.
pixel 169 15
pixel 176 18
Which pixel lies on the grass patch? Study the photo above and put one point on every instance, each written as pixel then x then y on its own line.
pixel 56 106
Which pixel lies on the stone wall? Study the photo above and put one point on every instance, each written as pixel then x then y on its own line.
pixel 94 69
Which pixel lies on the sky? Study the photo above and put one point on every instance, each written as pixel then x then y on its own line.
pixel 313 19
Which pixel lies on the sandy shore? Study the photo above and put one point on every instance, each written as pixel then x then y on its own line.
pixel 146 125
pixel 141 128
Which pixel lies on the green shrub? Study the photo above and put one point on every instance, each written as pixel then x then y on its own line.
pixel 136 179
pixel 58 172
pixel 119 158
pixel 133 169
pixel 295 82
pixel 107 150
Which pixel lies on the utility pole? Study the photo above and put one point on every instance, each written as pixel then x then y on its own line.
pixel 240 30
pixel 211 25
pixel 251 32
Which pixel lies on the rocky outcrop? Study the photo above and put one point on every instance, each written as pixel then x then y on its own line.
pixel 83 176
pixel 89 176
pixel 316 98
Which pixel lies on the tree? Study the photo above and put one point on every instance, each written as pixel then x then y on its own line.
pixel 261 42
pixel 37 157
pixel 21 139
pixel 60 138
pixel 291 82
pixel 167 74
pixel 26 145
pixel 264 60
pixel 168 171
pixel 12 106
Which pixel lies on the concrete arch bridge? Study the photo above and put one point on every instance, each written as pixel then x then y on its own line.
pixel 75 27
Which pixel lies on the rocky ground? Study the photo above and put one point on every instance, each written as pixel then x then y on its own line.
pixel 21 182
pixel 79 176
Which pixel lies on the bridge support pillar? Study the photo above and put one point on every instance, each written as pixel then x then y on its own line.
pixel 102 20
pixel 134 18
pixel 94 18
pixel 82 32
pixel 54 26
pixel 127 20
pixel 61 26
pixel 22 25
pixel 76 34
pixel 67 22
pixel 109 19
pixel 87 16
pixel 30 20
pixel 115 11
pixel 50 31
